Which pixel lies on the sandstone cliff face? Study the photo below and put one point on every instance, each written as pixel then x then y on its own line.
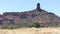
pixel 28 17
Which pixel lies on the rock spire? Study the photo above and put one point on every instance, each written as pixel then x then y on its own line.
pixel 38 6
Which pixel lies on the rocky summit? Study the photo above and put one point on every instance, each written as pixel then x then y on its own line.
pixel 28 17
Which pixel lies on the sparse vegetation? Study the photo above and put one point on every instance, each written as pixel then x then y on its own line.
pixel 35 24
pixel 10 27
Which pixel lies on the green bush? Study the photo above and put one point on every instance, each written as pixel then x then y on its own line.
pixel 36 24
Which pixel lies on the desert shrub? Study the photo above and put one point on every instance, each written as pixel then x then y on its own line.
pixel 36 24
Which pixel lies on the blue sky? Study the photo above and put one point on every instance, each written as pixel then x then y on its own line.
pixel 26 5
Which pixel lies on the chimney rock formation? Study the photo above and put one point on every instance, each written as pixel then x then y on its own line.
pixel 38 6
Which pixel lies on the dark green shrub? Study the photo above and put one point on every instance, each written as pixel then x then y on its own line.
pixel 35 24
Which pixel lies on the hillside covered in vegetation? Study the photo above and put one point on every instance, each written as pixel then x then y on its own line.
pixel 24 19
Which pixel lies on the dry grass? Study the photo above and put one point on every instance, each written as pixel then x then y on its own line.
pixel 31 31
